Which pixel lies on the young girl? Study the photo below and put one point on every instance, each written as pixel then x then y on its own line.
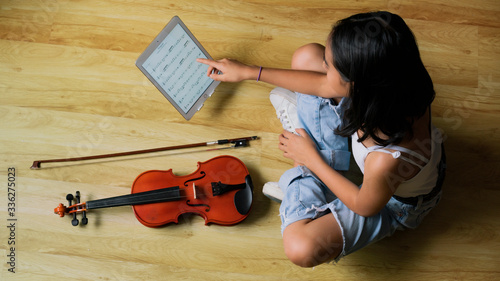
pixel 370 85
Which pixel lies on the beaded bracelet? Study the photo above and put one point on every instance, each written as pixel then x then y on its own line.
pixel 260 72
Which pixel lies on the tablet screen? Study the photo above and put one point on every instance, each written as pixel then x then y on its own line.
pixel 170 63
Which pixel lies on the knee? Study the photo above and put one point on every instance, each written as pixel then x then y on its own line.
pixel 306 252
pixel 308 56
pixel 301 253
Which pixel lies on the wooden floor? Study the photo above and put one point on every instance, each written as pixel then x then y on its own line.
pixel 69 87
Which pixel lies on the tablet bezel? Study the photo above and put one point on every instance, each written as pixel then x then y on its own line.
pixel 152 47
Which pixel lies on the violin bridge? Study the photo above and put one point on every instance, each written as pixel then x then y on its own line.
pixel 194 191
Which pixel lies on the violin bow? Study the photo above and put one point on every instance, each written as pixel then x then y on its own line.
pixel 239 142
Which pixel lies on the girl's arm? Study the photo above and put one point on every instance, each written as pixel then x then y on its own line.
pixel 306 82
pixel 377 186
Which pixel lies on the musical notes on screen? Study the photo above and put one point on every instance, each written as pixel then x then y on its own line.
pixel 173 65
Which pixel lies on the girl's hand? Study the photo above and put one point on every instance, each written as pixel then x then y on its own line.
pixel 227 70
pixel 300 148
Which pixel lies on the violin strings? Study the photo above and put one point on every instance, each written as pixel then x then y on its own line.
pixel 140 198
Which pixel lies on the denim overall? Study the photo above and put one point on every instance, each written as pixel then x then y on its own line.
pixel 306 197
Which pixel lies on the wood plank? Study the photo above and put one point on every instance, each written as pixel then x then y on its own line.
pixel 69 87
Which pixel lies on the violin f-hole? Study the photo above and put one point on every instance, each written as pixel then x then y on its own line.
pixel 198 205
pixel 203 174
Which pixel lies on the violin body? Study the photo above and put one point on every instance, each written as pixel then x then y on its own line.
pixel 196 191
pixel 220 191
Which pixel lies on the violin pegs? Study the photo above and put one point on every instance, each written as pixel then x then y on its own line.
pixel 70 198
pixel 85 220
pixel 77 197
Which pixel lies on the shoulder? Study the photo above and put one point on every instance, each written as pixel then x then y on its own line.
pixel 384 169
pixel 379 162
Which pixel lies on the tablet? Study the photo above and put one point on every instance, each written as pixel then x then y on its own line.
pixel 170 64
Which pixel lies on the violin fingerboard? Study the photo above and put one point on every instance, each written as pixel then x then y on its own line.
pixel 147 197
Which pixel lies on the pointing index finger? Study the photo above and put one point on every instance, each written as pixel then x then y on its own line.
pixel 211 63
pixel 206 61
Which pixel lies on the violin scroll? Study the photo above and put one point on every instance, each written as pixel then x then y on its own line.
pixel 62 210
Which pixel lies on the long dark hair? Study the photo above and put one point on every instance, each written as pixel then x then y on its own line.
pixel 390 87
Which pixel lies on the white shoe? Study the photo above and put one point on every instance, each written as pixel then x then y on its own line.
pixel 285 103
pixel 273 191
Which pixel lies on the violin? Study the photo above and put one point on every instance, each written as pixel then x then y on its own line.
pixel 220 191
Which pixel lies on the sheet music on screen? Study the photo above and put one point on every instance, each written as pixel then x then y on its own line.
pixel 173 65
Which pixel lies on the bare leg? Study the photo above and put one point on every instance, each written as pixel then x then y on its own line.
pixel 311 242
pixel 309 57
